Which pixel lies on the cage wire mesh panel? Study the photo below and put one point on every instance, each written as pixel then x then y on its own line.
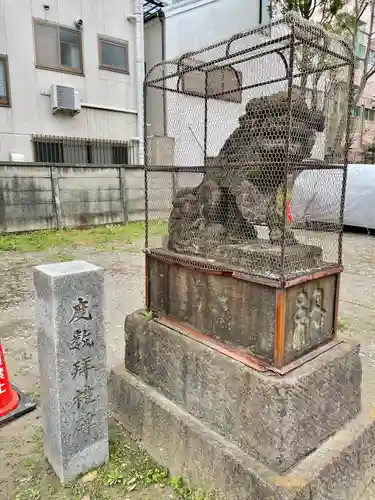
pixel 244 118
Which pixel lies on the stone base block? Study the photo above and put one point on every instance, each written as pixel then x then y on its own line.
pixel 277 420
pixel 264 257
pixel 338 470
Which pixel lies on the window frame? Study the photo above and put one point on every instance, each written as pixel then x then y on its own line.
pixel 357 111
pixel 5 103
pixel 59 67
pixel 117 42
pixel 368 115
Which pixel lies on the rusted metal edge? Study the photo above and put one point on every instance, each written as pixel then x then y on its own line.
pixel 260 280
pixel 236 354
pixel 337 303
pixel 290 367
pixel 222 270
pixel 280 328
pixel 213 270
pixel 313 276
pixel 246 359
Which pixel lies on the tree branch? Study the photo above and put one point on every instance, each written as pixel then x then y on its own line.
pixel 366 74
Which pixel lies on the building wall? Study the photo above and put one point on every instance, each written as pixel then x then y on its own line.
pixel 364 129
pixel 30 111
pixel 154 55
pixel 196 23
pixel 189 26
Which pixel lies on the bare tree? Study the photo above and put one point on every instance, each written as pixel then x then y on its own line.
pixel 350 23
pixel 347 18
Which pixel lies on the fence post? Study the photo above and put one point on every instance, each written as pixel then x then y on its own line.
pixel 122 185
pixel 174 184
pixel 56 195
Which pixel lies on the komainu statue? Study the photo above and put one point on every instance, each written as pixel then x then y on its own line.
pixel 241 188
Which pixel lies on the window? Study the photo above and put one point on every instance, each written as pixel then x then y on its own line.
pixel 113 55
pixel 58 48
pixel 4 82
pixel 264 11
pixel 223 83
pixel 372 57
pixel 369 115
pixel 356 112
pixel 80 151
pixel 361 47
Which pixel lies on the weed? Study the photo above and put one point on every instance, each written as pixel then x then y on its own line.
pixel 156 476
pixel 38 441
pixel 149 315
pixel 34 395
pixel 28 462
pixel 341 326
pixel 128 470
pixel 186 493
pixel 114 477
pixel 63 258
pixel 29 494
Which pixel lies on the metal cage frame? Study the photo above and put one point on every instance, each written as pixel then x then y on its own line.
pixel 295 37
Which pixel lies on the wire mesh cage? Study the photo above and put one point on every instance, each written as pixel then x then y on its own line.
pixel 230 129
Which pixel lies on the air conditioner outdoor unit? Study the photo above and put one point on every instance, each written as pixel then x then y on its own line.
pixel 65 99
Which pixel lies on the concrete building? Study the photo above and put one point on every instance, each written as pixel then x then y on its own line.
pixel 187 26
pixel 93 52
pixel 363 114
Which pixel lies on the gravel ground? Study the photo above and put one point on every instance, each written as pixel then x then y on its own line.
pixel 125 293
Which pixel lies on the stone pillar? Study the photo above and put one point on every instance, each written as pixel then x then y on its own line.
pixel 72 365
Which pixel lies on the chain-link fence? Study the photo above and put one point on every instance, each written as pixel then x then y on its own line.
pixel 251 113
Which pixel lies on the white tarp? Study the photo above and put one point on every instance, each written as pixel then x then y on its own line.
pixel 317 193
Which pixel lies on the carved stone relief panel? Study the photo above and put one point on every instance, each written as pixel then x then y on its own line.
pixel 310 315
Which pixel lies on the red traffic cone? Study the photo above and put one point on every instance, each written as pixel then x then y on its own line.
pixel 8 397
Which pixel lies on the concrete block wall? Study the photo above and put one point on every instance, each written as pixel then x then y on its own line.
pixel 35 196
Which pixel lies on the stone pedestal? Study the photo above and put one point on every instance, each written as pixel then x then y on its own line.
pixel 72 365
pixel 252 435
pixel 263 258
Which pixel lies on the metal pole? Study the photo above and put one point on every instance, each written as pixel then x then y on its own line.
pixel 140 74
pixel 205 118
pixel 346 152
pixel 287 144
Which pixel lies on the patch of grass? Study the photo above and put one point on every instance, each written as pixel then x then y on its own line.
pixel 184 492
pixel 130 473
pixel 62 257
pixel 29 494
pixel 34 395
pixel 92 237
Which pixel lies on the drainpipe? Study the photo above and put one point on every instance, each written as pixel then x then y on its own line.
pixel 161 17
pixel 140 75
